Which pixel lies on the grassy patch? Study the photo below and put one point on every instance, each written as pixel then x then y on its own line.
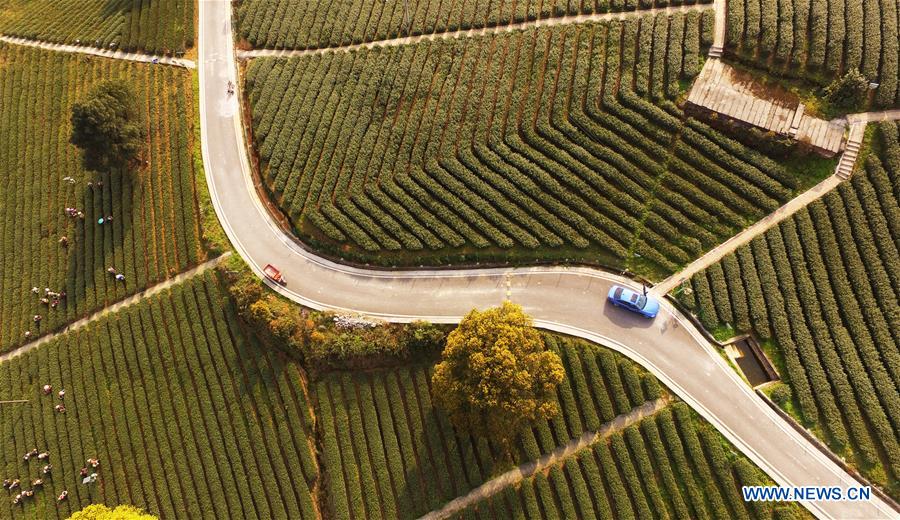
pixel 810 169
pixel 723 332
pixel 214 237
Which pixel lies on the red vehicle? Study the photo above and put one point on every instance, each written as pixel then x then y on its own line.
pixel 273 274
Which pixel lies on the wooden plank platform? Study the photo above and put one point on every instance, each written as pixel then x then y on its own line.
pixel 721 88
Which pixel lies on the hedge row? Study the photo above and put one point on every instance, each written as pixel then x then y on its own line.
pixel 820 39
pixel 388 453
pixel 313 24
pixel 154 26
pixel 155 230
pixel 834 320
pixel 631 474
pixel 521 141
pixel 187 416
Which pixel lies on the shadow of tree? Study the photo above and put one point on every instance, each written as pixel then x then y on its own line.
pixel 93 247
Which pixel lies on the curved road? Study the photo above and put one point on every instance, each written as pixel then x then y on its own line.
pixel 569 300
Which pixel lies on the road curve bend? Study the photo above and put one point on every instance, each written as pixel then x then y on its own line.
pixel 568 300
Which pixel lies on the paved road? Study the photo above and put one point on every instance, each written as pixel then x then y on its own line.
pixel 569 300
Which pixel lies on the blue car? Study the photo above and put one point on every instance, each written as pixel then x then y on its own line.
pixel 635 302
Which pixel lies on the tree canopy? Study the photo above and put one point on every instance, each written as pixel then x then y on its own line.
pixel 495 375
pixel 108 126
pixel 849 91
pixel 102 512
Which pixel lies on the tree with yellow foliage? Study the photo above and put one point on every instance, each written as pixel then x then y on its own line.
pixel 102 512
pixel 495 375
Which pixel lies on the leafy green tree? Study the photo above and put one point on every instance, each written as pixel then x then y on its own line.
pixel 423 336
pixel 102 512
pixel 108 126
pixel 849 91
pixel 495 375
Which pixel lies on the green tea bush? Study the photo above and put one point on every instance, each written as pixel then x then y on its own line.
pixel 531 144
pixel 154 26
pixel 822 41
pixel 834 319
pixel 155 230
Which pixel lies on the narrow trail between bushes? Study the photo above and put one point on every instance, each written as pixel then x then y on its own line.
pixel 468 33
pixel 844 166
pixel 761 226
pixel 95 51
pixel 872 117
pixel 121 304
pixel 718 45
pixel 570 300
pixel 557 456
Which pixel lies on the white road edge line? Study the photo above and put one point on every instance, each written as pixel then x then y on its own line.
pixel 781 425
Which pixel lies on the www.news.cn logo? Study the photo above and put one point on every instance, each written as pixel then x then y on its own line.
pixel 805 493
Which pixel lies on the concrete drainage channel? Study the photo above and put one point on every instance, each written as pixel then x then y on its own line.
pixel 750 359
